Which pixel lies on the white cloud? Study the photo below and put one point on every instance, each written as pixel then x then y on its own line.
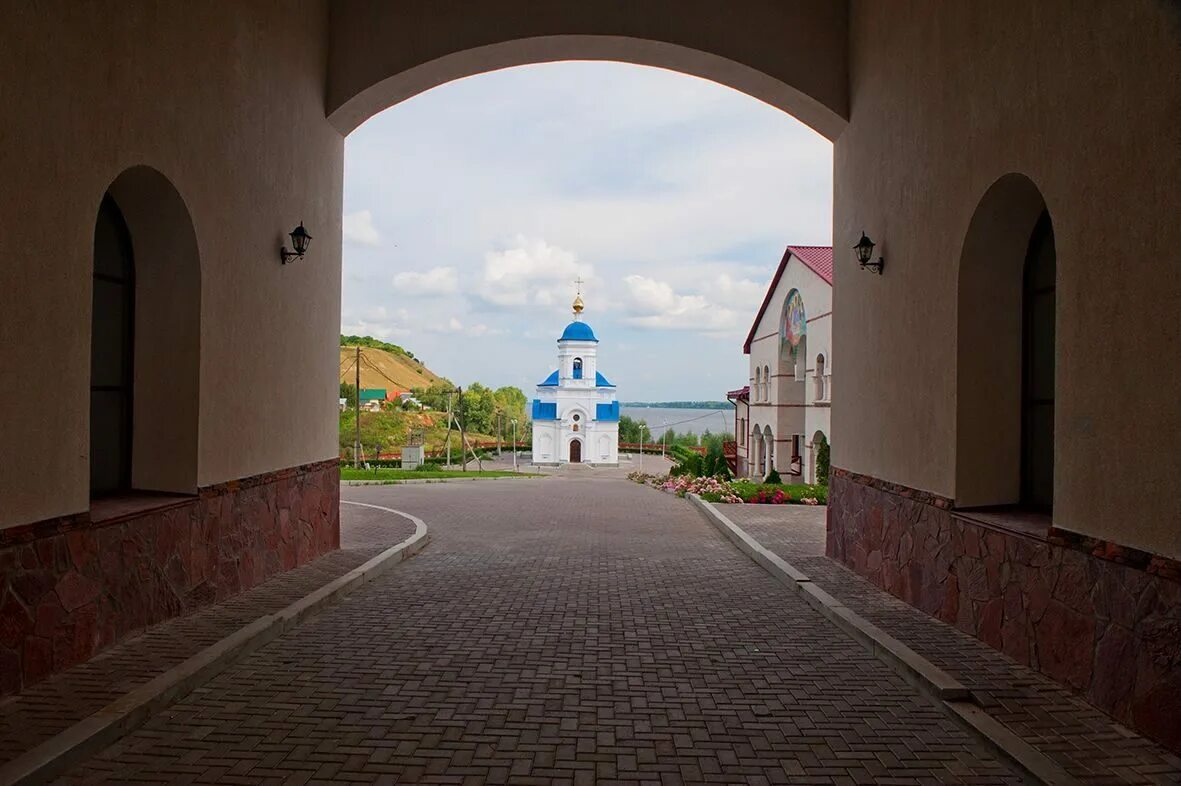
pixel 436 281
pixel 531 272
pixel 358 229
pixel 740 294
pixel 515 179
pixel 656 305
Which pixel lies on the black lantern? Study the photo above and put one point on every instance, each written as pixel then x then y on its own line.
pixel 299 241
pixel 864 249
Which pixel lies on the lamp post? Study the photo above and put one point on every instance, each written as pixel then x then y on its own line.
pixel 514 422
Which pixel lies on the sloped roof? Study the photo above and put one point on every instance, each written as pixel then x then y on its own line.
pixel 818 259
pixel 742 394
pixel 550 381
pixel 601 381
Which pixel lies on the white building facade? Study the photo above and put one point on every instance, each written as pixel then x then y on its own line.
pixel 576 410
pixel 782 416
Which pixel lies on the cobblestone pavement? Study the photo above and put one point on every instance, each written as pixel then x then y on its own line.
pixel 57 703
pixel 556 631
pixel 1084 740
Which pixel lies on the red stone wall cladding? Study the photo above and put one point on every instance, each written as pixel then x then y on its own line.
pixel 1110 632
pixel 69 588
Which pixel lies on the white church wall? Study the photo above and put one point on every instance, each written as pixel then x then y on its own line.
pixel 786 400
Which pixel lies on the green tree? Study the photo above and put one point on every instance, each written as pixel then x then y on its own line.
pixel 715 461
pixel 822 461
pixel 631 430
pixel 349 393
pixel 477 409
pixel 434 396
pixel 511 402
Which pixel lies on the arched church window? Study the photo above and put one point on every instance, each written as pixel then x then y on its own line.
pixel 578 368
pixel 766 383
pixel 758 391
pixel 1038 344
pixel 111 352
pixel 820 391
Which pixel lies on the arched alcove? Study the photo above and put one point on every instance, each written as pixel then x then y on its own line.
pixel 991 330
pixel 164 346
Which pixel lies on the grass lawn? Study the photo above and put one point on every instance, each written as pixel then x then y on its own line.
pixel 747 489
pixel 388 473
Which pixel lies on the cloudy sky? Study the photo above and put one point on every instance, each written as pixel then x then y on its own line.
pixel 470 210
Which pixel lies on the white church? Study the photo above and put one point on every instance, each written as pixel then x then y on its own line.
pixel 576 412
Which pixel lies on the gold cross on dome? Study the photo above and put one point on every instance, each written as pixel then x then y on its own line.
pixel 578 282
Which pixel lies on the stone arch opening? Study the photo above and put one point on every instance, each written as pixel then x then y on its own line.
pixel 384 53
pixel 992 370
pixel 769 450
pixel 817 469
pixel 162 361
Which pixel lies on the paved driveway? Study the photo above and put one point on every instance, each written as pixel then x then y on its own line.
pixel 572 629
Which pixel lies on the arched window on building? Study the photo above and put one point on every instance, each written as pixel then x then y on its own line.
pixel 1037 388
pixel 145 352
pixel 766 383
pixel 821 393
pixel 758 391
pixel 578 368
pixel 1005 351
pixel 112 352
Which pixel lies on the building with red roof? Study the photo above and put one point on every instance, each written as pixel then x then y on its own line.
pixel 781 417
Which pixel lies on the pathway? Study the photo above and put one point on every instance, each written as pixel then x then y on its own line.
pixel 556 631
pixel 1086 742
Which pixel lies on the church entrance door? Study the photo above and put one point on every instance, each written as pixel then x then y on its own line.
pixel 575 451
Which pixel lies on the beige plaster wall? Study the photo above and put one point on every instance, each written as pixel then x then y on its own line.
pixel 1083 98
pixel 789 53
pixel 226 99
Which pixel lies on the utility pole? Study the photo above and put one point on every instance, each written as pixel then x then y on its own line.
pixel 514 444
pixel 462 435
pixel 357 410
pixel 449 418
pixel 499 451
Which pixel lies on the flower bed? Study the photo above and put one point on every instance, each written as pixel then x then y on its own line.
pixel 717 490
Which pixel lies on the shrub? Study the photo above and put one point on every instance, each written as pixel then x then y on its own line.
pixel 822 462
pixel 773 478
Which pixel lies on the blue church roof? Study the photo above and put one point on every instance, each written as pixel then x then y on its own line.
pixel 578 331
pixel 551 381
pixel 601 381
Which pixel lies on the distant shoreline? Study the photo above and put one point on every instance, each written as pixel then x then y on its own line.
pixel 678 404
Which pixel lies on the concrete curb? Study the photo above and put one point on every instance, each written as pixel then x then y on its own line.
pixel 417 482
pixel 90 735
pixel 949 694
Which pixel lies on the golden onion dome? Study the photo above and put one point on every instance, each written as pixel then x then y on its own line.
pixel 578 304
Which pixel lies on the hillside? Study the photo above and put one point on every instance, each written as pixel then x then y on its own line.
pixel 384 368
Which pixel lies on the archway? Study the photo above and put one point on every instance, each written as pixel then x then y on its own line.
pixel 145 402
pixel 769 451
pixel 383 53
pixel 993 360
pixel 576 451
pixel 818 464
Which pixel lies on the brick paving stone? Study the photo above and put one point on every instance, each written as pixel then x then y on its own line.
pixel 556 631
pixel 1085 741
pixel 49 707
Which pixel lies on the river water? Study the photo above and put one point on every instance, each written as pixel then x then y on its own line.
pixel 660 419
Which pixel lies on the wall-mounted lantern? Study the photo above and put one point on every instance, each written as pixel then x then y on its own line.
pixel 864 249
pixel 299 241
